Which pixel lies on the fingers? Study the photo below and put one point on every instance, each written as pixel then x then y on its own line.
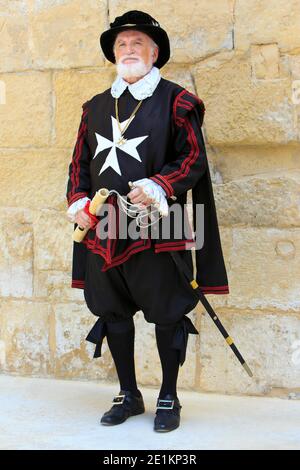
pixel 147 202
pixel 137 195
pixel 82 219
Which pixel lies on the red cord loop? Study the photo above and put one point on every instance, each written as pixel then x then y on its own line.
pixel 93 218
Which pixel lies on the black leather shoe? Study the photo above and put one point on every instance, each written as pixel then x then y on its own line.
pixel 126 404
pixel 167 413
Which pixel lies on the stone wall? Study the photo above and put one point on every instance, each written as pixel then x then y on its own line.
pixel 243 59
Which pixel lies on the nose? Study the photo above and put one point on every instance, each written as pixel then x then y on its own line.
pixel 129 49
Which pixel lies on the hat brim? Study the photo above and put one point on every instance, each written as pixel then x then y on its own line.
pixel 158 35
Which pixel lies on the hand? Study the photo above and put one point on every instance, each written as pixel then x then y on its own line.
pixel 137 195
pixel 82 219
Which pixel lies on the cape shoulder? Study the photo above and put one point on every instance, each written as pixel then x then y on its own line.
pixel 184 103
pixel 94 98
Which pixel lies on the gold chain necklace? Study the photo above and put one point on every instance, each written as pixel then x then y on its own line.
pixel 122 139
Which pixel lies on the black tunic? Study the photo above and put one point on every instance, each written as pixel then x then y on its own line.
pixel 170 151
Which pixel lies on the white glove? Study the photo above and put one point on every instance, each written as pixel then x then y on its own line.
pixel 155 192
pixel 75 207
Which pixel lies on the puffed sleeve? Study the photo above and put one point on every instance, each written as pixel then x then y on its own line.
pixel 190 162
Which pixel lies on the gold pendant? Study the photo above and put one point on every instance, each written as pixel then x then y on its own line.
pixel 122 140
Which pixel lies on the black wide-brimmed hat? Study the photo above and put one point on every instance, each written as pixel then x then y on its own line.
pixel 140 21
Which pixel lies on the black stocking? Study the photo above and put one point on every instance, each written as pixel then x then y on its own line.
pixel 169 358
pixel 120 340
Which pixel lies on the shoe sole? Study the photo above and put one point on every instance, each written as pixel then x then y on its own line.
pixel 165 430
pixel 120 422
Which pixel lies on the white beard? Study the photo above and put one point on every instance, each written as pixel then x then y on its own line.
pixel 135 69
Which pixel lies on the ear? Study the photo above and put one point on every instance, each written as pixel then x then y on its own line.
pixel 156 53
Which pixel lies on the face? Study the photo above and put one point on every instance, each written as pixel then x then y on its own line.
pixel 135 53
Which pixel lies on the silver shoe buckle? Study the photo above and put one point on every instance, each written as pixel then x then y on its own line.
pixel 118 399
pixel 165 407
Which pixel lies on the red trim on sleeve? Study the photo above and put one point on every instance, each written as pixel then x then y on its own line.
pixel 159 179
pixel 167 180
pixel 76 196
pixel 189 160
pixel 76 159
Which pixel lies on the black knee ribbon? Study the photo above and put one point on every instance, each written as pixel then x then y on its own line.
pixel 183 328
pixel 101 328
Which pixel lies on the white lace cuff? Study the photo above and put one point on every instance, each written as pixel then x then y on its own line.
pixel 156 192
pixel 75 207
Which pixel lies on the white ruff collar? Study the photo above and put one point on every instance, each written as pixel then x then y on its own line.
pixel 141 89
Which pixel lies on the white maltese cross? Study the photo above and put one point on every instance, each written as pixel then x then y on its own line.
pixel 127 145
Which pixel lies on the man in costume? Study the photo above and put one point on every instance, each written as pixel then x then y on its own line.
pixel 145 130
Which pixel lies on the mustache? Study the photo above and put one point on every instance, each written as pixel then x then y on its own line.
pixel 125 58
